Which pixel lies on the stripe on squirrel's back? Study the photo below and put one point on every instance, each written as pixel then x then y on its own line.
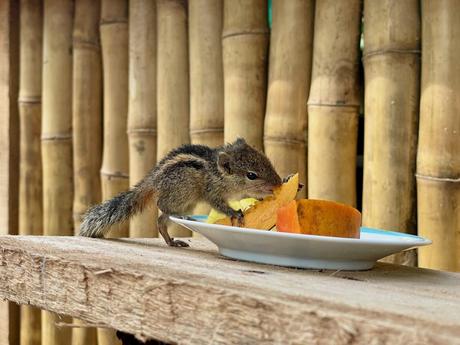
pixel 183 160
pixel 198 151
pixel 189 163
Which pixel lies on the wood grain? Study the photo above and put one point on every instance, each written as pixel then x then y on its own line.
pixel 194 296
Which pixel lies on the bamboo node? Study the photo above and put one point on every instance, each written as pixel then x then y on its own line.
pixel 55 137
pixel 437 179
pixel 207 130
pixel 117 174
pixel 230 33
pixel 148 131
pixel 30 99
pixel 284 140
pixel 113 21
pixel 390 51
pixel 86 44
pixel 334 105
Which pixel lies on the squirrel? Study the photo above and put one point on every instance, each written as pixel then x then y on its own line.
pixel 185 176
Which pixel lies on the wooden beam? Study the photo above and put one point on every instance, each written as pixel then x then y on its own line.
pixel 9 147
pixel 194 296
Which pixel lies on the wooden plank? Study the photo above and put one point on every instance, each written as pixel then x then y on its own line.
pixel 9 147
pixel 194 296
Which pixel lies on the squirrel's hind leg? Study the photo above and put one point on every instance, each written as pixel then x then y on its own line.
pixel 163 230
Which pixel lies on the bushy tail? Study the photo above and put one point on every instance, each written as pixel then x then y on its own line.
pixel 99 218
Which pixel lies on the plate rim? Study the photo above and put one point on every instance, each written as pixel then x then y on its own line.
pixel 417 241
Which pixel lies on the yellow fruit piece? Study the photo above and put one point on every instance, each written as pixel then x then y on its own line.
pixel 262 215
pixel 243 205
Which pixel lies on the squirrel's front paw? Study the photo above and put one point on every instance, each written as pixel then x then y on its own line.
pixel 237 218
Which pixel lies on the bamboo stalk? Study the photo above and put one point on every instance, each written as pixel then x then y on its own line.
pixel 206 72
pixel 87 118
pixel 438 159
pixel 392 87
pixel 114 43
pixel 142 119
pixel 173 82
pixel 285 133
pixel 206 76
pixel 245 45
pixel 9 148
pixel 333 104
pixel 30 174
pixel 57 137
pixel 115 160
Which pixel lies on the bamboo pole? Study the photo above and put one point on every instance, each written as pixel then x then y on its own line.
pixel 115 161
pixel 333 104
pixel 438 158
pixel 87 118
pixel 142 119
pixel 173 82
pixel 206 76
pixel 30 174
pixel 285 133
pixel 57 138
pixel 245 45
pixel 392 86
pixel 9 148
pixel 114 43
pixel 206 72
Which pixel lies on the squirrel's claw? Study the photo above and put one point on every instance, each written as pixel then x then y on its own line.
pixel 238 219
pixel 178 243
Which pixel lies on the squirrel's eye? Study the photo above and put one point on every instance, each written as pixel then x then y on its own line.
pixel 251 175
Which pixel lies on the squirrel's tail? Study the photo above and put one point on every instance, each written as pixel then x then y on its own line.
pixel 98 219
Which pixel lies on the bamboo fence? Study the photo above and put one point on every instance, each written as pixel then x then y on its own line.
pixel 169 72
pixel 392 87
pixel 438 158
pixel 57 138
pixel 87 123
pixel 285 135
pixel 245 45
pixel 142 115
pixel 333 104
pixel 172 82
pixel 30 174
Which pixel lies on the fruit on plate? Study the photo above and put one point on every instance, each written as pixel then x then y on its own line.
pixel 243 205
pixel 319 217
pixel 262 214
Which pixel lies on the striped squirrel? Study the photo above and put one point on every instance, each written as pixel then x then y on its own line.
pixel 185 176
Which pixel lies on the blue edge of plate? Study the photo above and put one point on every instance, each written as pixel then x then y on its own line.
pixel 202 218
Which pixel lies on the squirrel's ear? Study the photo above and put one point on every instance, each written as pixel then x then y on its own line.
pixel 223 162
pixel 240 141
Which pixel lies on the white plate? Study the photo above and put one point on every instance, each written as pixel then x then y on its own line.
pixel 305 251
